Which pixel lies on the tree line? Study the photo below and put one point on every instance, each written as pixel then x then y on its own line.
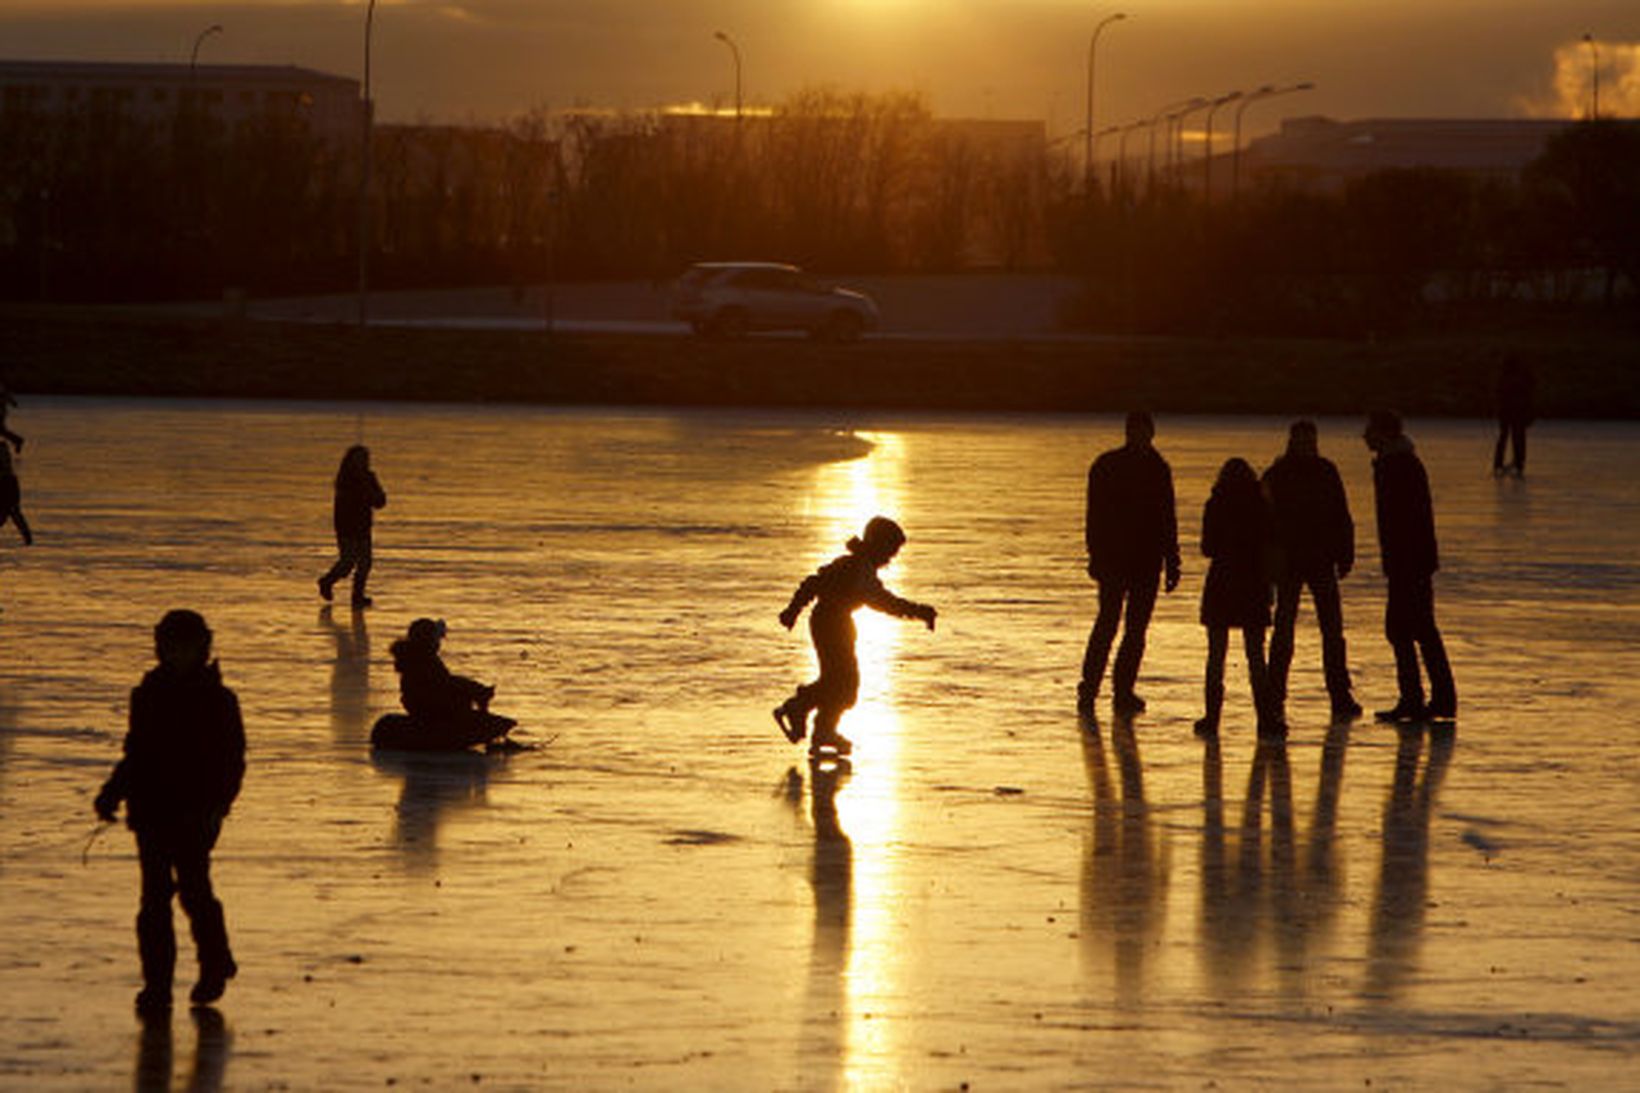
pixel 100 207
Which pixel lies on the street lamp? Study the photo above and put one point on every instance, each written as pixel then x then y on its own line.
pixel 1594 68
pixel 1265 92
pixel 1087 122
pixel 735 51
pixel 1207 158
pixel 216 28
pixel 1178 132
pixel 364 174
pixel 1150 157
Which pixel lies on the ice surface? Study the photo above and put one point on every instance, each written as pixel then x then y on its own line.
pixel 665 896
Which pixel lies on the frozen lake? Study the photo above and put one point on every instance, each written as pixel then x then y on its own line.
pixel 665 896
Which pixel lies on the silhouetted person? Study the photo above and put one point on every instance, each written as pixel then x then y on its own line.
pixel 1406 545
pixel 1516 388
pixel 11 498
pixel 838 589
pixel 184 760
pixel 7 402
pixel 1132 533
pixel 436 699
pixel 1236 535
pixel 358 496
pixel 1315 537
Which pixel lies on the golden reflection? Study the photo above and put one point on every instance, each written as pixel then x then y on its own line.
pixel 846 495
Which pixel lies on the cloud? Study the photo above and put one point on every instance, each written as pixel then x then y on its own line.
pixel 1572 92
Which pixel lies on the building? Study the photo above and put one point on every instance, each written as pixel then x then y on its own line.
pixel 1324 154
pixel 158 94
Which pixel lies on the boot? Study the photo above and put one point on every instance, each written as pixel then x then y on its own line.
pixel 1208 724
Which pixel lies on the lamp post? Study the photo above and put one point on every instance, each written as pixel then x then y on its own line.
pixel 1150 155
pixel 1087 121
pixel 1265 92
pixel 734 50
pixel 216 28
pixel 1594 70
pixel 367 114
pixel 1178 132
pixel 1207 157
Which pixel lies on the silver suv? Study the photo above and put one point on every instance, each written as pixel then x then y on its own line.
pixel 729 299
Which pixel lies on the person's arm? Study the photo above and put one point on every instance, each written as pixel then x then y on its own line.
pixel 881 599
pixel 233 764
pixel 118 786
pixel 378 497
pixel 801 598
pixel 1170 529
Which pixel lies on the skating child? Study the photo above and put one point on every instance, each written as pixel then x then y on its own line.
pixel 841 587
pixel 184 759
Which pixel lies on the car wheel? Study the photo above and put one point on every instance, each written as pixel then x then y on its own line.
pixel 842 326
pixel 729 323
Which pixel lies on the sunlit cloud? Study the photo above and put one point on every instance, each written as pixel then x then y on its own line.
pixel 1572 93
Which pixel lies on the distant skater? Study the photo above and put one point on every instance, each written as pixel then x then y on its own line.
pixel 11 498
pixel 1516 390
pixel 8 402
pixel 1407 547
pixel 838 589
pixel 1316 540
pixel 1132 534
pixel 358 496
pixel 1236 536
pixel 184 760
pixel 447 711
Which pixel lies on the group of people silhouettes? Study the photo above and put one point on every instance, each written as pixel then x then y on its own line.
pixel 1267 539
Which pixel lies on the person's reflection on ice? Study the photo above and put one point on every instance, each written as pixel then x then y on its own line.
pixel 831 879
pixel 436 784
pixel 1124 870
pixel 349 675
pixel 212 1045
pixel 1403 872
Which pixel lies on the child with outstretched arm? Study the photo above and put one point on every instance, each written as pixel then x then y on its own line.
pixel 838 589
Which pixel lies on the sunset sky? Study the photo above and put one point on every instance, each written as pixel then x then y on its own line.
pixel 486 59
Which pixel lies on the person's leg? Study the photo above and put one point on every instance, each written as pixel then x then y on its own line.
pixel 345 560
pixel 363 556
pixel 16 516
pixel 1400 627
pixel 1141 601
pixel 838 687
pixel 1498 448
pixel 1443 694
pixel 1270 719
pixel 1329 617
pixel 1218 642
pixel 1099 641
pixel 1288 590
pixel 156 940
pixel 1519 432
pixel 210 930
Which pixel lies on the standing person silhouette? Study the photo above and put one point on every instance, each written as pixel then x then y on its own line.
pixel 358 495
pixel 838 589
pixel 1316 540
pixel 184 761
pixel 1236 535
pixel 1131 533
pixel 1516 388
pixel 7 402
pixel 1407 548
pixel 11 498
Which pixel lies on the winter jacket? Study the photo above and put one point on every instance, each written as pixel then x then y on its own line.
pixel 844 585
pixel 430 692
pixel 1131 528
pixel 1311 514
pixel 357 498
pixel 1236 536
pixel 184 752
pixel 1406 515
